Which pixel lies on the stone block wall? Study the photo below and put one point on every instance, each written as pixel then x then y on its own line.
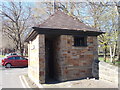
pixel 108 72
pixel 36 63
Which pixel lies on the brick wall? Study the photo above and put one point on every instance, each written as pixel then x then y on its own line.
pixel 74 62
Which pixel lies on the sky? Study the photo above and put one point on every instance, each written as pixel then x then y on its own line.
pixel 61 0
pixel 32 3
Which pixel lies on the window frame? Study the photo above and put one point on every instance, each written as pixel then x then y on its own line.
pixel 78 37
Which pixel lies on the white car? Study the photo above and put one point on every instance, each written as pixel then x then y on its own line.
pixel 10 54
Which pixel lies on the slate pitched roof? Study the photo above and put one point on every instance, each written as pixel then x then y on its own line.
pixel 62 24
pixel 60 20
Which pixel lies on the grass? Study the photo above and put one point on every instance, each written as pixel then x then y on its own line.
pixel 117 63
pixel 102 59
pixel 2 56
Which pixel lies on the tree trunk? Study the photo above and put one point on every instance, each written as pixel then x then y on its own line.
pixel 112 54
pixel 119 57
pixel 21 51
pixel 105 54
pixel 111 59
pixel 118 54
pixel 21 47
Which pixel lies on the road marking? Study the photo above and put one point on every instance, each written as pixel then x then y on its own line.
pixel 26 82
pixel 22 82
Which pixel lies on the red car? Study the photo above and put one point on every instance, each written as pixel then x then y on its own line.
pixel 14 61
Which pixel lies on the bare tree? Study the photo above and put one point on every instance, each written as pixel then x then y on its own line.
pixel 15 16
pixel 105 13
pixel 101 15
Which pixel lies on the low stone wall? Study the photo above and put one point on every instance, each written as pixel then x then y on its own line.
pixel 108 72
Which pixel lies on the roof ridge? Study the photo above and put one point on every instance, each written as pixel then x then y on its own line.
pixel 49 17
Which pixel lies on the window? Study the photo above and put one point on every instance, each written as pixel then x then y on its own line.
pixel 17 58
pixel 80 41
pixel 13 54
pixel 22 58
pixel 12 58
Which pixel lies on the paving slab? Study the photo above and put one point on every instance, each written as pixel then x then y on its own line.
pixel 85 83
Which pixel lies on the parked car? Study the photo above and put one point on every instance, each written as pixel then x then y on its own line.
pixel 10 54
pixel 14 61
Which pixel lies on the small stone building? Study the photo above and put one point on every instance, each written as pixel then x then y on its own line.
pixel 62 48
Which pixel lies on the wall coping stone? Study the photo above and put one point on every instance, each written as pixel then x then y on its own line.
pixel 115 68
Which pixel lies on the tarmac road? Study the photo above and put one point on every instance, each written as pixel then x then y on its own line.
pixel 9 77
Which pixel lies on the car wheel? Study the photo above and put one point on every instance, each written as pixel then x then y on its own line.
pixel 8 65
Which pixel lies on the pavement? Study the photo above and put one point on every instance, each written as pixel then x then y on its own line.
pixel 84 83
pixel 0 74
pixel 10 77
